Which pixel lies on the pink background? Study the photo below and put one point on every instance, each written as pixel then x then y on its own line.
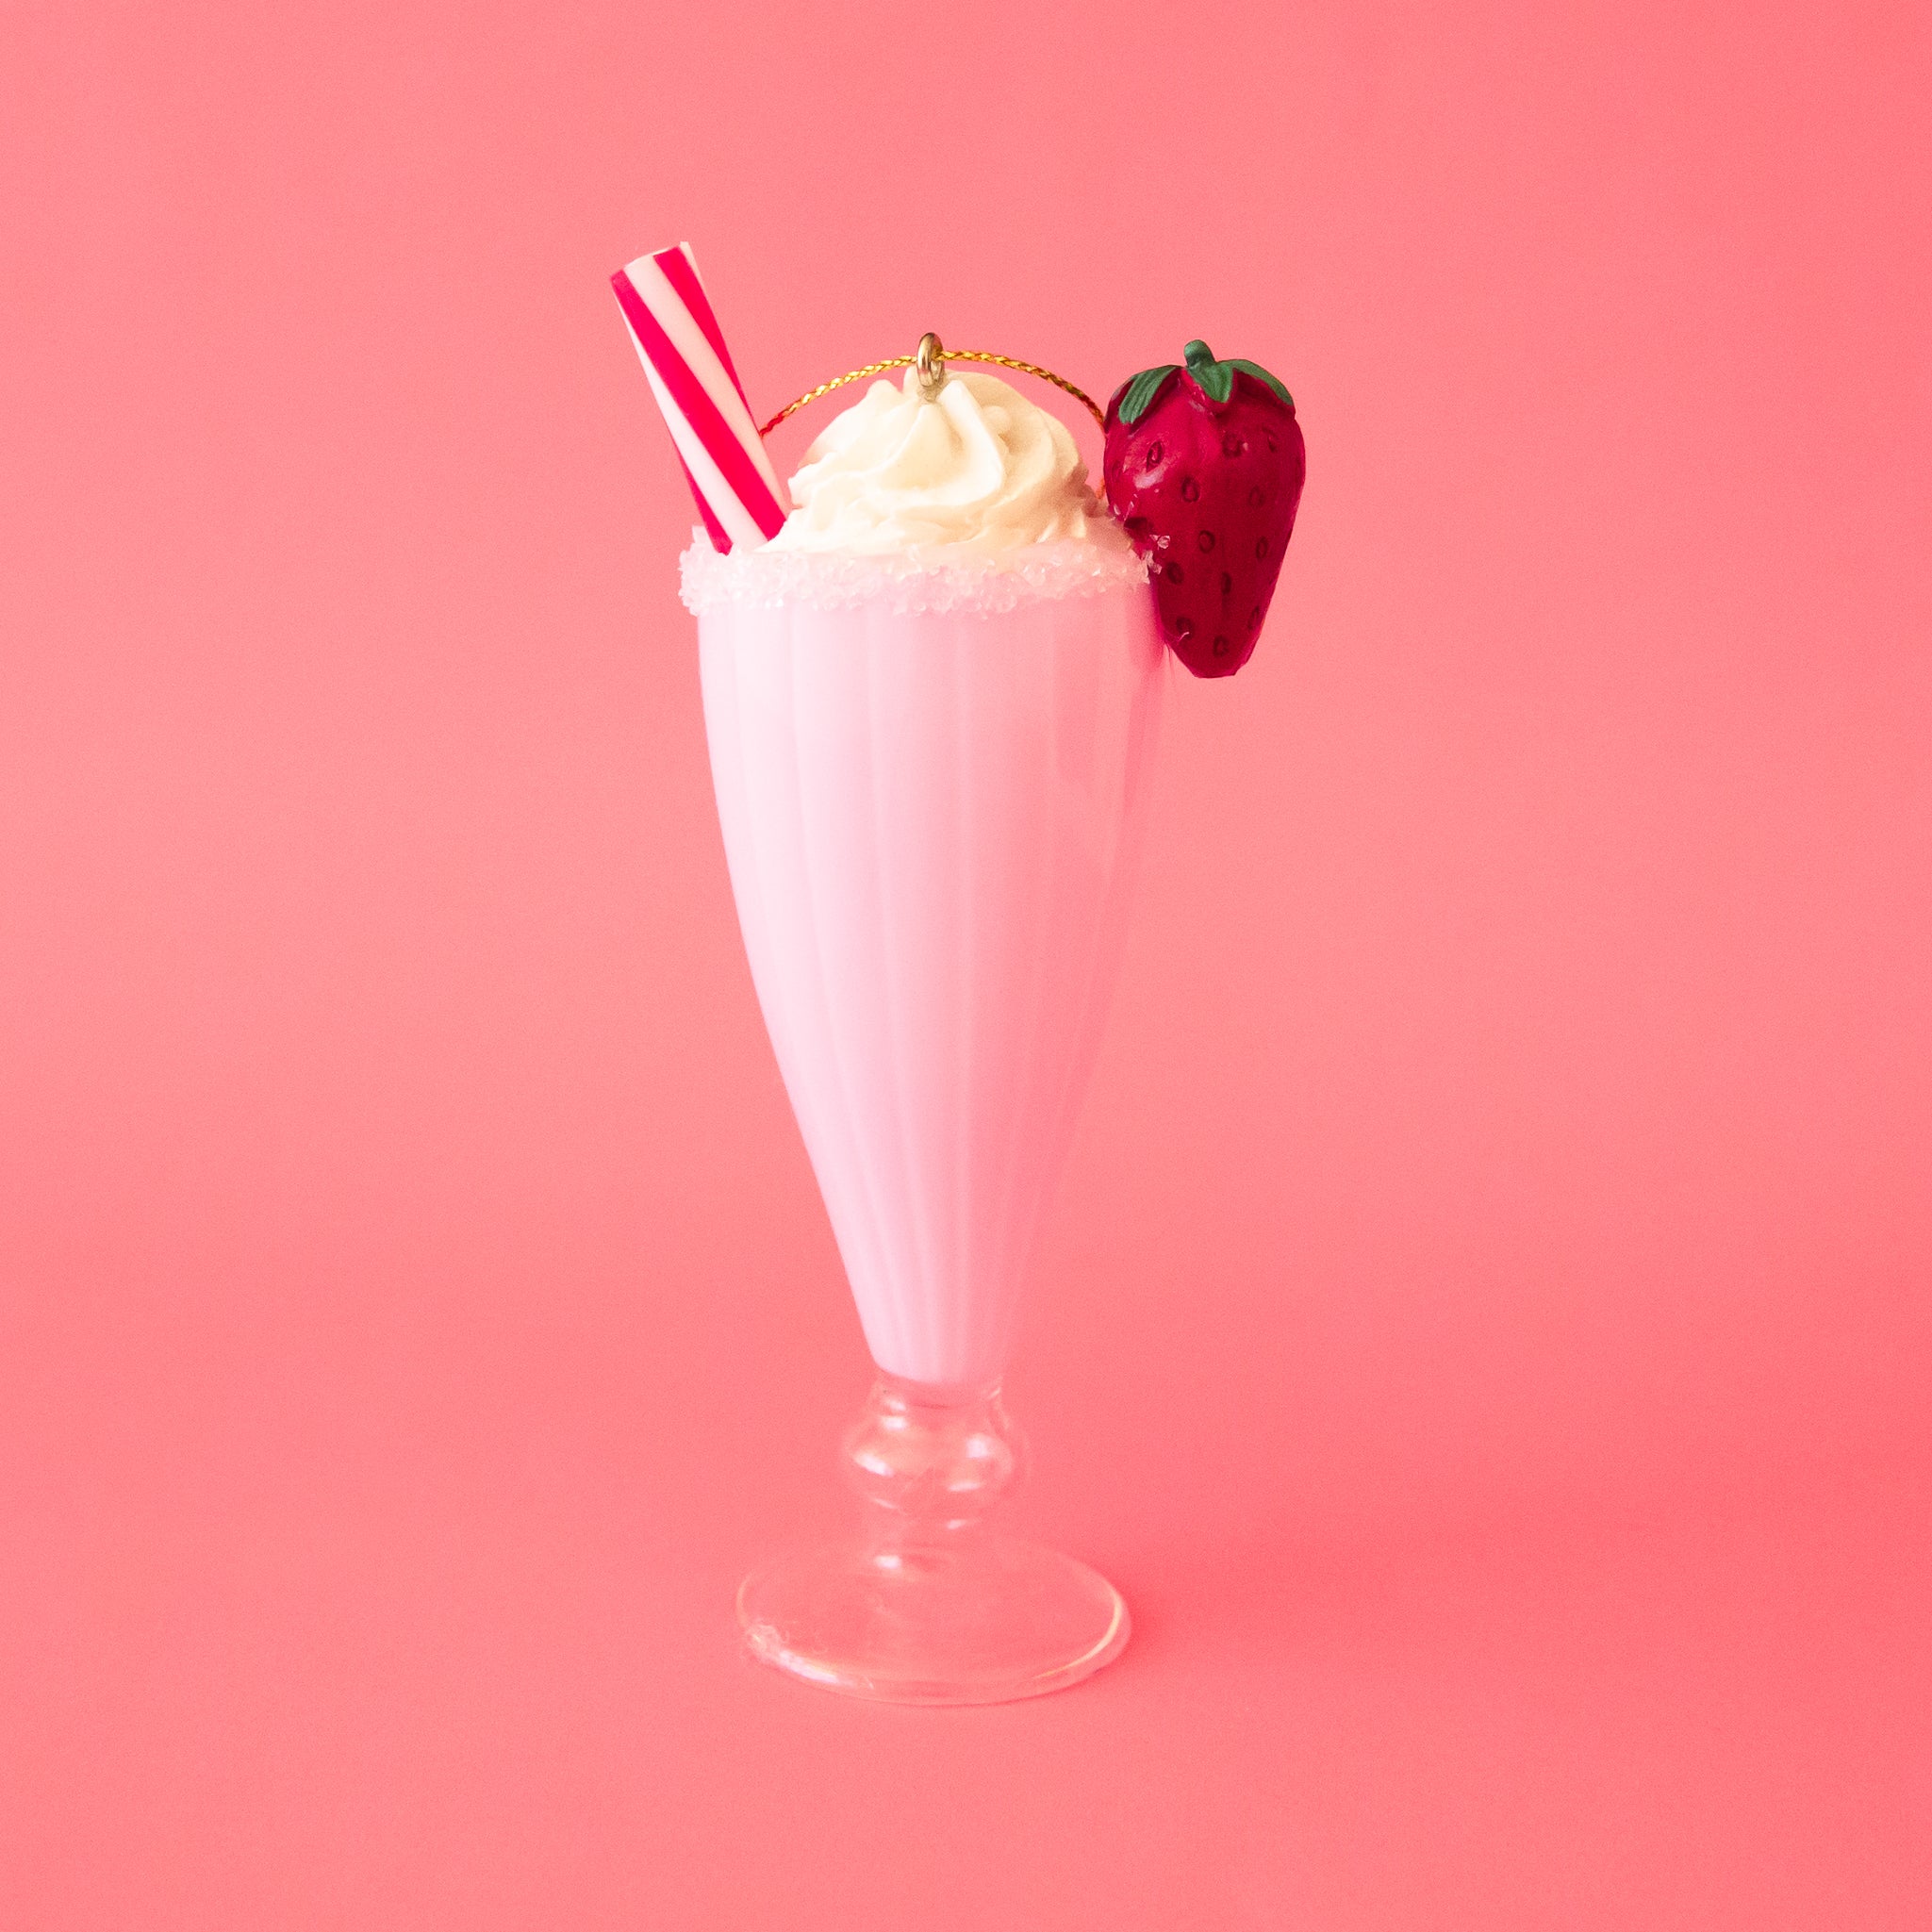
pixel 1484 1327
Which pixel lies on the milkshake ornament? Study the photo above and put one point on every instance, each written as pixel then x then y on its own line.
pixel 932 699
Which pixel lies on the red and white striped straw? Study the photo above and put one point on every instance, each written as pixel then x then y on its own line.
pixel 691 375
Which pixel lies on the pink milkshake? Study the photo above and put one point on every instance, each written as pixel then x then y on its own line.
pixel 931 819
pixel 932 701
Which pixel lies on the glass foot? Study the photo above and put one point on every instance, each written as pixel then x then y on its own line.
pixel 929 1606
pixel 1011 1620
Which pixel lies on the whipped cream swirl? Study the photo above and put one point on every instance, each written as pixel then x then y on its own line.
pixel 978 465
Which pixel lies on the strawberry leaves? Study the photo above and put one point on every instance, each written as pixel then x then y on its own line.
pixel 1261 375
pixel 1136 399
pixel 1215 378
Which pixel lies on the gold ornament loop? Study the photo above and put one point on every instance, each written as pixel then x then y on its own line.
pixel 930 363
pixel 930 359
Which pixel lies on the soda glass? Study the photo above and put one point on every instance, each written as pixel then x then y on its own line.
pixel 932 792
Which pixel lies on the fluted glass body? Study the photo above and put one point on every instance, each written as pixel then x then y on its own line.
pixel 932 820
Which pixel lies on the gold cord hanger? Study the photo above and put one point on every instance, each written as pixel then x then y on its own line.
pixel 931 360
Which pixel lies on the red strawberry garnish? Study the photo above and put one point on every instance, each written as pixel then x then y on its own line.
pixel 1204 466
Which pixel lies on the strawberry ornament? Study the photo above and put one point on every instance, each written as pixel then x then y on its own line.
pixel 1204 465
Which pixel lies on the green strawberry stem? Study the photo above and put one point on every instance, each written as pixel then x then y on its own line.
pixel 1217 379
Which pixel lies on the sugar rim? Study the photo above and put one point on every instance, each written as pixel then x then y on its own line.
pixel 935 577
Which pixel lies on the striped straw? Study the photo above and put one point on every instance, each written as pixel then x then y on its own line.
pixel 678 342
